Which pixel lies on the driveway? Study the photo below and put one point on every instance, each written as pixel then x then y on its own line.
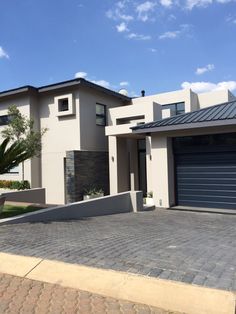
pixel 196 248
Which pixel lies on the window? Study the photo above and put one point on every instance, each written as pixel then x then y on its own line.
pixel 64 105
pixel 4 120
pixel 100 114
pixel 176 108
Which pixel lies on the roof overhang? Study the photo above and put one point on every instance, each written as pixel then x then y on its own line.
pixel 17 91
pixel 63 85
pixel 83 82
pixel 188 126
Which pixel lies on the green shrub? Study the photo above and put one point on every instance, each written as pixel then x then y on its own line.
pixel 14 185
pixel 93 191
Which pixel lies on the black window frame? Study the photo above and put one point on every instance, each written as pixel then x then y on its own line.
pixel 174 108
pixel 4 120
pixel 101 115
pixel 61 105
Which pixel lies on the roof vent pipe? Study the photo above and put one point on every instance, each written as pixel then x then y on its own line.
pixel 143 93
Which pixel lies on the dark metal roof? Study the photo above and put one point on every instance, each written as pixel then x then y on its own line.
pixel 86 83
pixel 18 90
pixel 223 111
pixel 70 83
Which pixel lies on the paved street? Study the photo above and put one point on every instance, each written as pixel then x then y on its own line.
pixel 197 248
pixel 25 296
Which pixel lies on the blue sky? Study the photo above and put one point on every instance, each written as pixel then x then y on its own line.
pixel 156 45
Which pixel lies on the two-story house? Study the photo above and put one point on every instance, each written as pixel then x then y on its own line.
pixel 179 145
pixel 74 153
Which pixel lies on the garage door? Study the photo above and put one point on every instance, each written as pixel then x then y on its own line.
pixel 206 179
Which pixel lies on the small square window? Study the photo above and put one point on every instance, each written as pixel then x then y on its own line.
pixel 100 114
pixel 63 104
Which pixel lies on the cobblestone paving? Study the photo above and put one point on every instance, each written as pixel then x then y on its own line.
pixel 195 248
pixel 25 296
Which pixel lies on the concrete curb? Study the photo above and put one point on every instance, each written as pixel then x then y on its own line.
pixel 169 295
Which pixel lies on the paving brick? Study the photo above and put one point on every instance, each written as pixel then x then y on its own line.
pixel 39 298
pixel 174 245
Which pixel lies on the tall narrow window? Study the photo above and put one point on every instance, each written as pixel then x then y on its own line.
pixel 100 114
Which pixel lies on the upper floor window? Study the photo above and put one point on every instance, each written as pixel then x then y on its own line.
pixel 175 108
pixel 100 114
pixel 64 105
pixel 4 120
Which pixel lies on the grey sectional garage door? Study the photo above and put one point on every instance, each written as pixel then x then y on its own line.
pixel 206 179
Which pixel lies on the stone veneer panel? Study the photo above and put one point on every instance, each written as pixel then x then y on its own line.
pixel 85 169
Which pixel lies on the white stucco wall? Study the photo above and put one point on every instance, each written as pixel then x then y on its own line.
pixel 92 136
pixel 72 132
pixel 185 95
pixel 213 98
pixel 62 135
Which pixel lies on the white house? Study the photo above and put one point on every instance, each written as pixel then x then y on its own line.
pixel 74 152
pixel 179 145
pixel 147 139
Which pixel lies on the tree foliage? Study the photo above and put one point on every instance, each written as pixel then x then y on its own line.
pixel 11 155
pixel 21 129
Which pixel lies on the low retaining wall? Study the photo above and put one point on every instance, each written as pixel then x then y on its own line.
pixel 27 196
pixel 114 204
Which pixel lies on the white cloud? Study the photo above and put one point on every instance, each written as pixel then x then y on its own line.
pixel 202 87
pixel 183 29
pixel 190 4
pixel 166 3
pixel 117 14
pixel 171 17
pixel 125 17
pixel 3 53
pixel 102 83
pixel 231 19
pixel 81 75
pixel 124 83
pixel 138 36
pixel 207 68
pixel 98 82
pixel 223 1
pixel 121 4
pixel 122 27
pixel 152 50
pixel 144 9
pixel 170 35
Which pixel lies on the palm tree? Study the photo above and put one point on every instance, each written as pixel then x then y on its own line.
pixel 12 155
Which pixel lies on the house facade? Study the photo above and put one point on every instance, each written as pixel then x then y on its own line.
pixel 185 156
pixel 74 153
pixel 100 138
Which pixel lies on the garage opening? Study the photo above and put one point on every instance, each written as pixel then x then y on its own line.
pixel 205 170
